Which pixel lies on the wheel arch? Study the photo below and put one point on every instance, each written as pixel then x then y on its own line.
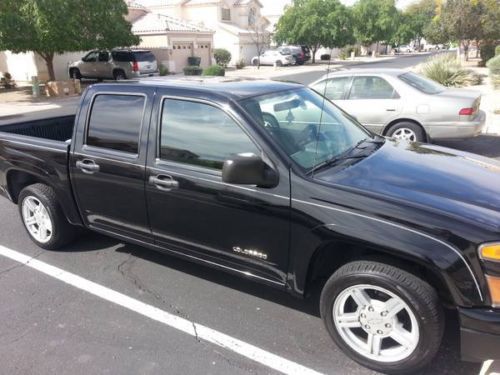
pixel 394 122
pixel 17 180
pixel 325 261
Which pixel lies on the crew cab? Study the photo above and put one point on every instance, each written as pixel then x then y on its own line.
pixel 272 182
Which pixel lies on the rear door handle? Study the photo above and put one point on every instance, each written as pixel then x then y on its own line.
pixel 391 110
pixel 87 166
pixel 164 182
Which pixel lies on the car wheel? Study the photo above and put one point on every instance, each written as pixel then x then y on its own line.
pixel 382 317
pixel 279 63
pixel 408 131
pixel 255 62
pixel 75 74
pixel 119 75
pixel 43 218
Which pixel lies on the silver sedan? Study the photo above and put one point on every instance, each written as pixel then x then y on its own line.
pixel 404 105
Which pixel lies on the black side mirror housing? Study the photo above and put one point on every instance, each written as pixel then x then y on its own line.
pixel 249 169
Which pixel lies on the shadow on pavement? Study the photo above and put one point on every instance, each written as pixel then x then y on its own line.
pixel 486 145
pixel 447 361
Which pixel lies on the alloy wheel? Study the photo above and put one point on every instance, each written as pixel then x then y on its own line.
pixel 376 323
pixel 37 220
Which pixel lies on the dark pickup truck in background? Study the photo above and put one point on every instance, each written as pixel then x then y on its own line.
pixel 270 181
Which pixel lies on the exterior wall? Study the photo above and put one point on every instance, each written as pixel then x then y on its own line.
pixel 20 65
pixel 225 39
pixel 172 50
pixel 207 15
pixel 3 63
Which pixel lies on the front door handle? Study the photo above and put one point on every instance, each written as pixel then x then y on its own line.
pixel 164 182
pixel 87 166
pixel 391 110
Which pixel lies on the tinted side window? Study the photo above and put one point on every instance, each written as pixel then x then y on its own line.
pixel 335 87
pixel 372 88
pixel 115 122
pixel 91 57
pixel 200 134
pixel 122 56
pixel 144 56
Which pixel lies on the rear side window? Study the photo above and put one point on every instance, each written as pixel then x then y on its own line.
pixel 144 56
pixel 372 88
pixel 123 56
pixel 200 134
pixel 335 87
pixel 115 122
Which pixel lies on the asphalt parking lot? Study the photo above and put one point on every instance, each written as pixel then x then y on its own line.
pixel 51 327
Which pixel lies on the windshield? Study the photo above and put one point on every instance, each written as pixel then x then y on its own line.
pixel 307 134
pixel 423 84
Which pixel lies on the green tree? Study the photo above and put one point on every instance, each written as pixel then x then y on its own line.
pixel 417 16
pixel 375 21
pixel 49 27
pixel 315 23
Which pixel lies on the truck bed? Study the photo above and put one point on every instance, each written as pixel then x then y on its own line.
pixel 53 128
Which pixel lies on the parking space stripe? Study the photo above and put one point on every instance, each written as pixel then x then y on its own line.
pixel 191 328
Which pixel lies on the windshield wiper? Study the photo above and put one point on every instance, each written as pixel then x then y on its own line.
pixel 362 149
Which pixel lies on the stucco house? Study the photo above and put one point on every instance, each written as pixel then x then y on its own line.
pixel 171 39
pixel 236 23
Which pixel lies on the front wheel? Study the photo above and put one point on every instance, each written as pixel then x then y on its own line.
pixel 382 317
pixel 43 218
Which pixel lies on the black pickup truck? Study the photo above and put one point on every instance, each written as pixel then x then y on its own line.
pixel 271 181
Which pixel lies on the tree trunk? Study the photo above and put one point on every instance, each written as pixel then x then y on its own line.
pixel 477 48
pixel 49 61
pixel 314 49
pixel 466 51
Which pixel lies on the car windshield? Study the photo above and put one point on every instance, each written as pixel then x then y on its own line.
pixel 310 129
pixel 421 83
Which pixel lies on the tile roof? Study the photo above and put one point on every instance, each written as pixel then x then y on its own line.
pixel 152 22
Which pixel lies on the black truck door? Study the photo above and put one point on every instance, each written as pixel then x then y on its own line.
pixel 193 212
pixel 107 165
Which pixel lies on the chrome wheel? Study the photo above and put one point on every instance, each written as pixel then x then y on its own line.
pixel 406 134
pixel 36 219
pixel 376 323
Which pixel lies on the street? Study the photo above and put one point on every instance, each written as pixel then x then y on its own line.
pixel 52 327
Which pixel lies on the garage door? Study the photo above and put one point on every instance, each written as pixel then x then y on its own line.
pixel 203 51
pixel 180 53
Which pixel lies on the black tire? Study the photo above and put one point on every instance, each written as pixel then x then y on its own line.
pixel 279 63
pixel 418 295
pixel 420 135
pixel 75 74
pixel 119 75
pixel 62 231
pixel 255 62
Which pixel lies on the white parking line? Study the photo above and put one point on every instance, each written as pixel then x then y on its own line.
pixel 191 328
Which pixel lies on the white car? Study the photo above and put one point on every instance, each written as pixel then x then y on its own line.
pixel 404 105
pixel 405 49
pixel 273 57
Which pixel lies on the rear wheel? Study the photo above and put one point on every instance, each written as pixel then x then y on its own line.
pixel 43 218
pixel 119 75
pixel 279 63
pixel 75 74
pixel 255 62
pixel 407 131
pixel 382 317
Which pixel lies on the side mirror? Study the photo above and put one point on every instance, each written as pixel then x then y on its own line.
pixel 249 169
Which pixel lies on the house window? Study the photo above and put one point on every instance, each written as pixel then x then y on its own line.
pixel 251 17
pixel 226 14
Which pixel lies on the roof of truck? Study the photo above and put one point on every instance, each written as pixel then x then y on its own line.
pixel 230 87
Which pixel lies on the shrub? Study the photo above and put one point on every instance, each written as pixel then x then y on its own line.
pixel 240 64
pixel 214 70
pixel 447 70
pixel 163 70
pixel 194 61
pixel 494 68
pixel 222 56
pixel 497 50
pixel 487 51
pixel 325 57
pixel 192 70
